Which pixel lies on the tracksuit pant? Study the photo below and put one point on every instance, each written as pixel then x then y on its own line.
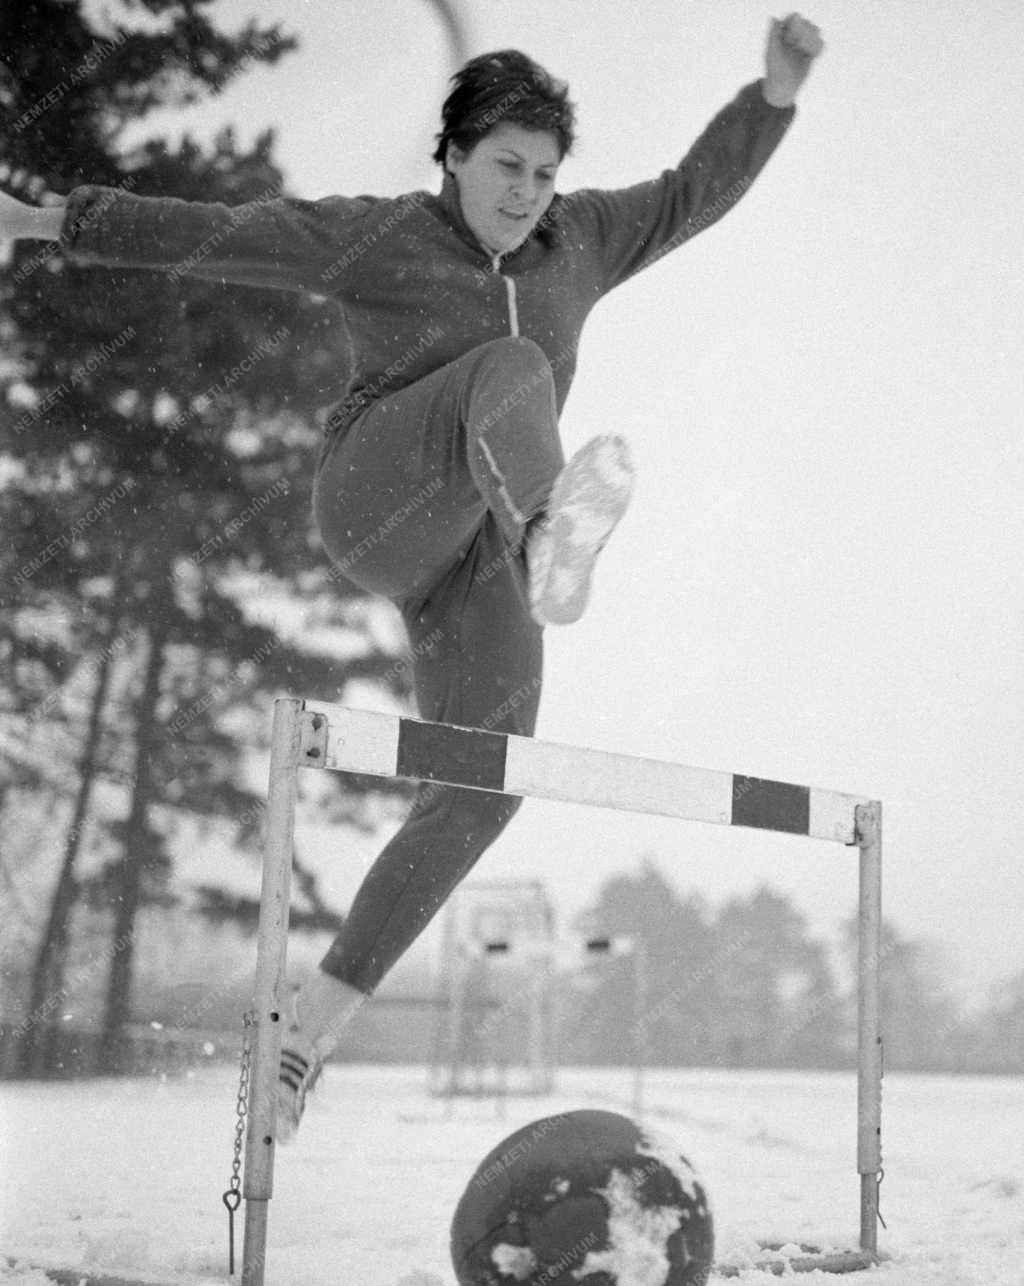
pixel 426 498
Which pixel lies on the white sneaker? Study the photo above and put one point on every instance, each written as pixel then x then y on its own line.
pixel 320 1011
pixel 589 497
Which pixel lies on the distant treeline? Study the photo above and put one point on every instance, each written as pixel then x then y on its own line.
pixel 745 985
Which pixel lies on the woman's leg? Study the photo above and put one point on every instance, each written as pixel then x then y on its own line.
pixel 401 495
pixel 482 669
pixel 425 499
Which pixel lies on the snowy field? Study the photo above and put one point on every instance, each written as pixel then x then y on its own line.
pixel 124 1178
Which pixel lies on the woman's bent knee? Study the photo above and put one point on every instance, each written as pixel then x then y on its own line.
pixel 513 354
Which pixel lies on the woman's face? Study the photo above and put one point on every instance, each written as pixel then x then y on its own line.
pixel 505 183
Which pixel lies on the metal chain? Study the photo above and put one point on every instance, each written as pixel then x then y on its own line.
pixel 232 1198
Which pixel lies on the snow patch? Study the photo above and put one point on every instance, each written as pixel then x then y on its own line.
pixel 665 1150
pixel 515 1261
pixel 637 1236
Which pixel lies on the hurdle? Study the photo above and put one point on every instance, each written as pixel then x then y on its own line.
pixel 313 734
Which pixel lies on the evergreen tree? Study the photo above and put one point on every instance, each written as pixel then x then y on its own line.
pixel 158 441
pixel 676 940
pixel 992 1040
pixel 733 988
pixel 779 1005
pixel 913 998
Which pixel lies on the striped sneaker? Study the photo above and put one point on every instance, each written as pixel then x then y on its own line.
pixel 589 497
pixel 300 1071
pixel 320 1011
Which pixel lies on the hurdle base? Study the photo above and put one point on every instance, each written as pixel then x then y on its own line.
pixel 814 1259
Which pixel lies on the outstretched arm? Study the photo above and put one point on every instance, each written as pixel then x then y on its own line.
pixel 284 243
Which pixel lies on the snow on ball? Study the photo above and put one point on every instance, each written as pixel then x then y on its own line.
pixel 584 1198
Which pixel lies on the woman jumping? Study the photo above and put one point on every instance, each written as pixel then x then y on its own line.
pixel 465 310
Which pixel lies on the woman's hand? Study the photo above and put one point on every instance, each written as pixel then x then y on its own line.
pixel 793 44
pixel 21 221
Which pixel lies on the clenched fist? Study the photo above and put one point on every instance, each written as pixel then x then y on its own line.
pixel 793 44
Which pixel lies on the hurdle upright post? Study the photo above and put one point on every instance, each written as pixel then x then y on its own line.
pixel 869 1035
pixel 271 963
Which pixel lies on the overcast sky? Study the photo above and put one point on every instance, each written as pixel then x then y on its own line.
pixel 819 578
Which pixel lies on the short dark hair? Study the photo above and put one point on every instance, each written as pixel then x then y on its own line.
pixel 504 86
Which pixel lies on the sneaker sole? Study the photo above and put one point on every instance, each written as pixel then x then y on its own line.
pixel 589 497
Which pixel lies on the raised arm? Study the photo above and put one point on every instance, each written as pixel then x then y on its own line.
pixel 632 228
pixel 285 243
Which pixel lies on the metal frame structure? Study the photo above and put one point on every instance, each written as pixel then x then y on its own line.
pixel 491 924
pixel 310 734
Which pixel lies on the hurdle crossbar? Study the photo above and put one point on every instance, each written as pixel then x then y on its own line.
pixel 313 734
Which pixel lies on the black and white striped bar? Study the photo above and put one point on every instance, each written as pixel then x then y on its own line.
pixel 363 741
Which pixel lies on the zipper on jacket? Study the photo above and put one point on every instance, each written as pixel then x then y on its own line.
pixel 510 291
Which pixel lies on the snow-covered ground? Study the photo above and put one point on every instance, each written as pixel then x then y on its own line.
pixel 124 1178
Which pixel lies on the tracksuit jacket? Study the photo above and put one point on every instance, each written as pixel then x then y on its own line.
pixel 415 287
